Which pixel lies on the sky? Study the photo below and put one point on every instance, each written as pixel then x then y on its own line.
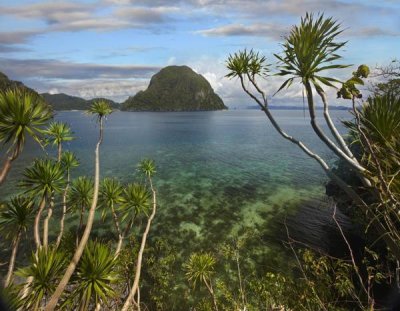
pixel 111 48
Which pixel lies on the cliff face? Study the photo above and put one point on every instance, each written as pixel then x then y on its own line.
pixel 175 88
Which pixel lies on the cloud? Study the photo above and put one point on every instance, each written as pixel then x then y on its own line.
pixel 372 32
pixel 4 48
pixel 261 30
pixel 17 37
pixel 55 69
pixel 76 16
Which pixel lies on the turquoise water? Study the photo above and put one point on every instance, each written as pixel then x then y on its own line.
pixel 215 170
pixel 220 175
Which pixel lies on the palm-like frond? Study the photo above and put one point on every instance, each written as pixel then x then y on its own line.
pixel 310 49
pixel 58 132
pixel 80 194
pixel 135 201
pixel 69 160
pixel 199 267
pixel 46 268
pixel 21 114
pixel 95 275
pixel 44 176
pixel 100 108
pixel 245 63
pixel 16 216
pixel 147 167
pixel 110 194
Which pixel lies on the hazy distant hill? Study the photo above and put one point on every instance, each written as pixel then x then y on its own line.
pixel 175 88
pixel 67 102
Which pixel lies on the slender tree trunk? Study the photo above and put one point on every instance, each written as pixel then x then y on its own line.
pixel 46 222
pixel 12 259
pixel 7 164
pixel 79 228
pixel 36 224
pixel 389 240
pixel 323 137
pixel 121 240
pixel 51 305
pixel 240 280
pixel 59 152
pixel 117 227
pixel 211 291
pixel 135 285
pixel 60 235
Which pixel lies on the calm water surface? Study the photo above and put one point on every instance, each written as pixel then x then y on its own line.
pixel 216 171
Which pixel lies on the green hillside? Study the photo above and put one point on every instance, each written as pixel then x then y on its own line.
pixel 175 88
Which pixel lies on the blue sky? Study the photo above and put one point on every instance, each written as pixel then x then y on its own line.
pixel 111 48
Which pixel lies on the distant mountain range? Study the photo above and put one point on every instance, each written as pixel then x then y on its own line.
pixel 285 107
pixel 63 101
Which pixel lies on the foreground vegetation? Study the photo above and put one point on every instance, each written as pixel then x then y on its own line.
pixel 71 268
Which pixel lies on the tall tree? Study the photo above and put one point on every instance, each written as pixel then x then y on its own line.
pixel 147 167
pixel 43 179
pixel 101 109
pixel 79 198
pixel 57 133
pixel 110 196
pixel 308 50
pixel 21 114
pixel 199 269
pixel 15 218
pixel 68 161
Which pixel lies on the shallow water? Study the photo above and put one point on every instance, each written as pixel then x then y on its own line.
pixel 216 171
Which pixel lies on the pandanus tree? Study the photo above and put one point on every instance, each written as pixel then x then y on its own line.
pixel 200 269
pixel 22 114
pixel 15 219
pixel 94 278
pixel 68 161
pixel 79 199
pixel 101 110
pixel 310 49
pixel 146 167
pixel 109 198
pixel 57 133
pixel 43 274
pixel 43 179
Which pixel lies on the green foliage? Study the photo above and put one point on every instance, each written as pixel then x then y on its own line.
pixel 247 63
pixel 199 268
pixel 69 160
pixel 135 201
pixel 43 177
pixel 22 114
pixel 16 216
pixel 100 109
pixel 110 194
pixel 95 276
pixel 67 102
pixel 80 194
pixel 310 49
pixel 147 167
pixel 349 88
pixel 58 132
pixel 175 88
pixel 46 269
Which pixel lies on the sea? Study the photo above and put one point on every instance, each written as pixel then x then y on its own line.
pixel 219 173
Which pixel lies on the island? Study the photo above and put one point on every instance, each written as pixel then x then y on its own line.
pixel 63 101
pixel 175 88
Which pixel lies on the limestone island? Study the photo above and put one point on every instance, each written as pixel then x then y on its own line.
pixel 175 88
